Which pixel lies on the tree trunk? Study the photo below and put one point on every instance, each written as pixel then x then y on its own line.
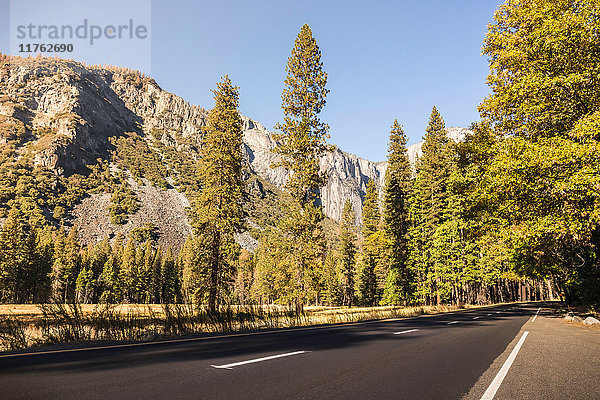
pixel 214 274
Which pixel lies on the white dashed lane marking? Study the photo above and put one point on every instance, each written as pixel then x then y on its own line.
pixel 408 331
pixel 237 364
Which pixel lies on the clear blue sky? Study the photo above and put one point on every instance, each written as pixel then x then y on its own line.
pixel 385 59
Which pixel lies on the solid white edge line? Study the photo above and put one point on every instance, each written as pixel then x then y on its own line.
pixel 495 385
pixel 536 314
pixel 408 331
pixel 237 364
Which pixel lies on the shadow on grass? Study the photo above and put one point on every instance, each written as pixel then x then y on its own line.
pixel 231 347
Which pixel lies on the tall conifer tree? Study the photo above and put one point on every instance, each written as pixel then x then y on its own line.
pixel 348 252
pixel 397 189
pixel 303 135
pixel 370 258
pixel 301 141
pixel 12 255
pixel 429 205
pixel 218 210
pixel 370 212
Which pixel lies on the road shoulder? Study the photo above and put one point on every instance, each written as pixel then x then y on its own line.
pixel 558 360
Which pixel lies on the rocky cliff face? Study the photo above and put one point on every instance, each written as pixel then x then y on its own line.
pixel 73 111
pixel 82 107
pixel 348 174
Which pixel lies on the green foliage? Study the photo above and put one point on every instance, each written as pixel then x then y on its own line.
pixel 370 213
pixel 539 192
pixel 430 209
pixel 476 222
pixel 25 259
pixel 547 195
pixel 373 268
pixel 133 153
pixel 144 233
pixel 543 66
pixel 297 245
pixel 347 256
pixel 38 190
pixel 290 257
pixel 397 190
pixel 66 266
pixel 170 280
pixel 303 135
pixel 179 157
pixel 11 129
pixel 218 212
pixel 372 265
pixel 123 202
pixel 261 203
pixel 245 277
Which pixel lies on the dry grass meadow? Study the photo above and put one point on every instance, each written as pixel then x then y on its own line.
pixel 25 326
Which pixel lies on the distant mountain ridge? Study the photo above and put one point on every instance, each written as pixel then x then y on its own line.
pixel 72 113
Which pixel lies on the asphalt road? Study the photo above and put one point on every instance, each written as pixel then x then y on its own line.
pixel 428 357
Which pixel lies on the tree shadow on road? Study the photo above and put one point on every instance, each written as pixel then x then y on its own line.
pixel 236 347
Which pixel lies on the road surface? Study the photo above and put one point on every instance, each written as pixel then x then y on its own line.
pixel 446 356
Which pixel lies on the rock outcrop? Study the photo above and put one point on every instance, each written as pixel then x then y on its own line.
pixel 75 110
pixel 347 174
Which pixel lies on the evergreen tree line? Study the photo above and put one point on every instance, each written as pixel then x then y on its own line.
pixel 416 245
pixel 40 264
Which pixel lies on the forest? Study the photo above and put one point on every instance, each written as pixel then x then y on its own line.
pixel 509 214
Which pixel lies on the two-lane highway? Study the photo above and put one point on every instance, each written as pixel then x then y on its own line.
pixel 428 357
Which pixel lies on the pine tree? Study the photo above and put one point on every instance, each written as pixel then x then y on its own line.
pixel 366 278
pixel 397 189
pixel 156 275
pixel 218 210
pixel 245 273
pixel 435 169
pixel 366 290
pixel 12 254
pixel 66 267
pixel 97 259
pixel 301 141
pixel 169 279
pixel 128 272
pixel 109 280
pixel 139 287
pixel 269 256
pixel 40 265
pixel 290 258
pixel 84 286
pixel 370 212
pixel 348 252
pixel 429 206
pixel 302 138
pixel 332 293
pixel 194 259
